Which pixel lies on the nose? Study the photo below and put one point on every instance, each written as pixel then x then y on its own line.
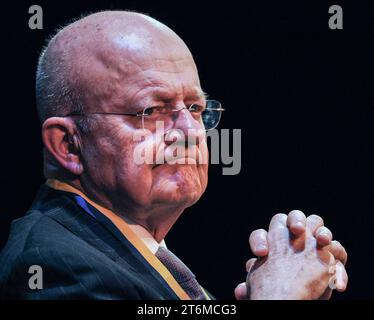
pixel 183 122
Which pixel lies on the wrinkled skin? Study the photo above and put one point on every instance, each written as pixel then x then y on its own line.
pixel 123 62
pixel 297 259
pixel 126 72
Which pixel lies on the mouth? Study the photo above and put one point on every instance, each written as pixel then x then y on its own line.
pixel 178 161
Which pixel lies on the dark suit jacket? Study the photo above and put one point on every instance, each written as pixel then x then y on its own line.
pixel 82 257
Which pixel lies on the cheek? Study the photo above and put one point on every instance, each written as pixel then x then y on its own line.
pixel 111 165
pixel 99 161
pixel 134 179
pixel 143 183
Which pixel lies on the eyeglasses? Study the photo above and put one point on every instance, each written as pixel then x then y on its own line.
pixel 209 116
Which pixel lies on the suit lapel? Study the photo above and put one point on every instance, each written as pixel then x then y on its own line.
pixel 99 232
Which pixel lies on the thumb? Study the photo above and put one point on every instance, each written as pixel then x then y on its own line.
pixel 241 292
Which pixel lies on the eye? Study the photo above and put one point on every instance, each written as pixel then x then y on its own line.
pixel 195 108
pixel 149 111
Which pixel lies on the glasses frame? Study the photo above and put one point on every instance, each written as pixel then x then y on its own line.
pixel 142 113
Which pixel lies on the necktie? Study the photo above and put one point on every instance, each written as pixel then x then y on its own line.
pixel 182 274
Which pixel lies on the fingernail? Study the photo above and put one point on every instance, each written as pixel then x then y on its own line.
pixel 340 285
pixel 261 247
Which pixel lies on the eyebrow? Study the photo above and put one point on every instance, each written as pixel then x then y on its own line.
pixel 204 95
pixel 164 95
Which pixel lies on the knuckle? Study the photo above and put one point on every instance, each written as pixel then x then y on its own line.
pixel 342 253
pixel 345 254
pixel 280 216
pixel 278 232
pixel 256 233
pixel 296 212
pixel 337 244
pixel 278 228
pixel 315 218
pixel 260 231
pixel 252 234
pixel 324 230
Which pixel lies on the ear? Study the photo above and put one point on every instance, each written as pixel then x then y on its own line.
pixel 60 137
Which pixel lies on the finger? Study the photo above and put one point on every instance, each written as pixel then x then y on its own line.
pixel 323 236
pixel 241 291
pixel 338 251
pixel 278 234
pixel 341 277
pixel 258 242
pixel 279 220
pixel 249 264
pixel 326 295
pixel 331 284
pixel 313 222
pixel 296 222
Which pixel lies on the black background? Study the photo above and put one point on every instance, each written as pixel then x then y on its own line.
pixel 298 90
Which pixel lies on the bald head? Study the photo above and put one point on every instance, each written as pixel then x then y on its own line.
pixel 112 66
pixel 78 69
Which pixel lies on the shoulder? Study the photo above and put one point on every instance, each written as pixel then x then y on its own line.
pixel 71 267
pixel 35 229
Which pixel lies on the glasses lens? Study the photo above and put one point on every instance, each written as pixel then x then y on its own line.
pixel 156 116
pixel 161 116
pixel 212 114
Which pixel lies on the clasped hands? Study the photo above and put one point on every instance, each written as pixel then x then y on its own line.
pixel 297 259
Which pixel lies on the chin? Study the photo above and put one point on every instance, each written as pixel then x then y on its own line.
pixel 179 199
pixel 180 185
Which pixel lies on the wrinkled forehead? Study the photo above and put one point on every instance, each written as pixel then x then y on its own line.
pixel 136 64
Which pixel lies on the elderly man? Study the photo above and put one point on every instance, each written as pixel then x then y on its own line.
pixel 97 227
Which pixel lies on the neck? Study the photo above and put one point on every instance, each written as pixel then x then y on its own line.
pixel 158 223
pixel 157 220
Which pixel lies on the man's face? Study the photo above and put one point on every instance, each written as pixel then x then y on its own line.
pixel 162 77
